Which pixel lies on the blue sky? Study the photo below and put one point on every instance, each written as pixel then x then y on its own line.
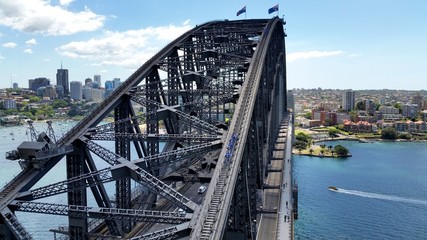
pixel 361 44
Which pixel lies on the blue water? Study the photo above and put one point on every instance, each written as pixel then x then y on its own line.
pixel 382 193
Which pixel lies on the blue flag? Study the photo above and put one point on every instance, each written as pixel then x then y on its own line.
pixel 273 9
pixel 243 10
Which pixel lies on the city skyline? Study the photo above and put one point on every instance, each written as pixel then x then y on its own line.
pixel 330 44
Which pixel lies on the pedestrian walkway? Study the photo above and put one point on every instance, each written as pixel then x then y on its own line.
pixel 272 224
pixel 285 224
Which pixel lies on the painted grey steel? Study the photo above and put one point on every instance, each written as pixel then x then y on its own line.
pixel 219 91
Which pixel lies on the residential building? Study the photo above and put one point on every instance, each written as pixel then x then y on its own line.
pixel 388 110
pixel 424 115
pixel 9 103
pixel 348 100
pixel 62 79
pixel 359 127
pixel 370 107
pixel 76 90
pixel 410 110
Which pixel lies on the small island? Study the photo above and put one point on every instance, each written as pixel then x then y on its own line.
pixel 303 145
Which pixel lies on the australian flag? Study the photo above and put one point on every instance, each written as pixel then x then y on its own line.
pixel 273 9
pixel 243 10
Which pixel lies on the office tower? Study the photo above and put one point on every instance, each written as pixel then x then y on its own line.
pixel 116 83
pixel 88 81
pixel 50 92
pixel 34 84
pixel 348 100
pixel 87 92
pixel 76 90
pixel 97 78
pixel 15 86
pixel 62 79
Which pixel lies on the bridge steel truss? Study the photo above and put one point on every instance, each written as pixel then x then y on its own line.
pixel 220 87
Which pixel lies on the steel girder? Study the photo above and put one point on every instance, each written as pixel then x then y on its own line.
pixel 102 213
pixel 209 74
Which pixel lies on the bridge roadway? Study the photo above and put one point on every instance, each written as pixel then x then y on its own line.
pixel 272 225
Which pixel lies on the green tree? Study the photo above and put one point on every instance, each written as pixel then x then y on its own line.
pixel 333 132
pixel 59 104
pixel 34 99
pixel 330 147
pixel 311 150
pixel 353 116
pixel 389 133
pixel 398 106
pixel 322 151
pixel 307 115
pixel 300 144
pixel 405 136
pixel 360 105
pixel 302 137
pixel 341 150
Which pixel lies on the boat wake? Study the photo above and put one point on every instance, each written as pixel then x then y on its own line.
pixel 381 196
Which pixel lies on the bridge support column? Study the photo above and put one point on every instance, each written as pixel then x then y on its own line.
pixel 123 186
pixel 78 227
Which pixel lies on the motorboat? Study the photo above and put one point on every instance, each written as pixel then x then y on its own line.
pixel 333 188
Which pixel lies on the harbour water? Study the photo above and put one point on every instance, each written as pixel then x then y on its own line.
pixel 37 225
pixel 382 192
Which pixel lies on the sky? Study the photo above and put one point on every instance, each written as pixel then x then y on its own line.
pixel 336 44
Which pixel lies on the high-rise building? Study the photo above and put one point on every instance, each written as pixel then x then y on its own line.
pixel 87 92
pixel 348 100
pixel 76 91
pixel 50 92
pixel 88 81
pixel 34 84
pixel 108 85
pixel 15 85
pixel 97 78
pixel 98 95
pixel 116 83
pixel 62 79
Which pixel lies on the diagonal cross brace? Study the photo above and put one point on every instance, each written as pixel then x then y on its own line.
pixel 62 186
pixel 154 184
pixel 103 213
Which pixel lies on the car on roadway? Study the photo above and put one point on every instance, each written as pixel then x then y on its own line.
pixel 202 189
pixel 181 211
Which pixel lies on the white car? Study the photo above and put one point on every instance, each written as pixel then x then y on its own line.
pixel 202 189
pixel 181 211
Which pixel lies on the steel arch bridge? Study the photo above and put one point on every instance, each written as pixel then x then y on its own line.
pixel 219 90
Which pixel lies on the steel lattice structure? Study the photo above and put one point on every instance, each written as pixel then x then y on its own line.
pixel 219 90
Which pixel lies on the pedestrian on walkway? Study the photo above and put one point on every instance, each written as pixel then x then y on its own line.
pixel 285 218
pixel 286 204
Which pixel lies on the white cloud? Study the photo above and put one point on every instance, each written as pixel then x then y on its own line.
pixel 31 42
pixel 1 58
pixel 39 16
pixel 311 54
pixel 65 2
pixel 9 45
pixel 46 59
pixel 127 49
pixel 28 50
